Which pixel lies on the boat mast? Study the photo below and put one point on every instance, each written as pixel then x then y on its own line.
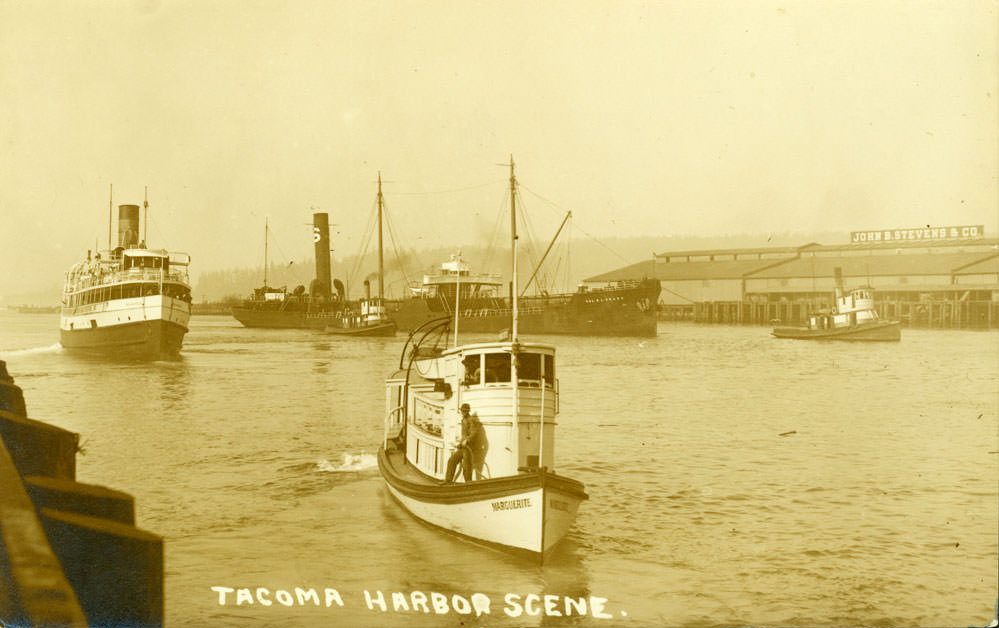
pixel 457 296
pixel 145 218
pixel 110 206
pixel 265 251
pixel 513 250
pixel 514 349
pixel 381 280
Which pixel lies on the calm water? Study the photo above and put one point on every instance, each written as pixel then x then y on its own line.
pixel 734 478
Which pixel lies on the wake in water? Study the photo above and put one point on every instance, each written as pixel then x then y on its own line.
pixel 351 462
pixel 16 353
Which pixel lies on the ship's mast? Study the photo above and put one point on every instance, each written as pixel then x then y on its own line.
pixel 145 218
pixel 110 207
pixel 513 250
pixel 381 280
pixel 265 251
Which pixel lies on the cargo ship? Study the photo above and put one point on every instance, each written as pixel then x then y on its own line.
pixel 620 309
pixel 129 301
pixel 271 307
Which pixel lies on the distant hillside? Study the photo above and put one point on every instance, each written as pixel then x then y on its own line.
pixel 566 266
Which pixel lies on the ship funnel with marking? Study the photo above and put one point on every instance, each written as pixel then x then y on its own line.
pixel 128 226
pixel 321 238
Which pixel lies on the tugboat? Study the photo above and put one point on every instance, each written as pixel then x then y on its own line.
pixel 270 307
pixel 130 300
pixel 510 498
pixel 852 317
pixel 373 319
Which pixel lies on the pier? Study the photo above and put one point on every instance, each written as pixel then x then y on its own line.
pixel 70 553
pixel 937 314
pixel 948 283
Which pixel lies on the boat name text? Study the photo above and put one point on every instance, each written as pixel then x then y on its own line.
pixel 512 504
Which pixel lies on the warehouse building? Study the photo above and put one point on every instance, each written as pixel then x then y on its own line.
pixel 944 277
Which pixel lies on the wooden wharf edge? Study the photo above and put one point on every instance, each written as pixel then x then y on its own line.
pixel 70 554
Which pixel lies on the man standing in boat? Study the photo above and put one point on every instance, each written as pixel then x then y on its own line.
pixel 469 448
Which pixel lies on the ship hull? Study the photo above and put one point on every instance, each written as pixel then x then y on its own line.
pixel 141 339
pixel 144 327
pixel 383 329
pixel 525 514
pixel 282 319
pixel 627 311
pixel 881 331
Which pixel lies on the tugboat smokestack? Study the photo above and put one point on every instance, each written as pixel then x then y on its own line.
pixel 128 226
pixel 321 237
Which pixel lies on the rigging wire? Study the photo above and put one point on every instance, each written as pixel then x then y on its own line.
pixel 365 241
pixel 451 191
pixel 395 245
pixel 594 238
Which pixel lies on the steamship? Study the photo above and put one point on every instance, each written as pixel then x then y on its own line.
pixel 130 300
pixel 270 307
pixel 625 309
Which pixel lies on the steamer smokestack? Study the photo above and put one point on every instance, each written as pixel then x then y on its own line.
pixel 321 237
pixel 128 226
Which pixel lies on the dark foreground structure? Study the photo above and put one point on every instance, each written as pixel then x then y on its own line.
pixel 70 554
pixel 921 280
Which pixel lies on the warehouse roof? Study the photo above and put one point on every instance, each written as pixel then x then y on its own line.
pixel 858 266
pixel 868 258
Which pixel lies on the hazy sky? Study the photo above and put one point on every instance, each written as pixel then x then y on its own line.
pixel 643 118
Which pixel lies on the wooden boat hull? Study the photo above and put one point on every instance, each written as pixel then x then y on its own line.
pixel 380 329
pixel 880 331
pixel 527 513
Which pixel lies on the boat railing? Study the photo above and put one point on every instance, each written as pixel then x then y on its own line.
pixel 394 422
pixel 85 282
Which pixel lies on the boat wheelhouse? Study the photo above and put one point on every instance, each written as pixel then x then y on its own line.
pixel 515 499
pixel 130 300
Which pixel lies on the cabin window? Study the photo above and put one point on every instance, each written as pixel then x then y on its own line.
pixel 497 368
pixel 150 289
pixel 529 367
pixel 549 370
pixel 473 369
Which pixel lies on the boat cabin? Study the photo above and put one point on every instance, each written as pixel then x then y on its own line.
pixel 142 259
pixel 455 277
pixel 512 390
pixel 856 308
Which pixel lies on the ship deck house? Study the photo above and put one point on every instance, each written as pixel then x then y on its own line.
pixel 946 283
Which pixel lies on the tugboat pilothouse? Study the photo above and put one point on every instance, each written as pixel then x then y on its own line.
pixel 130 300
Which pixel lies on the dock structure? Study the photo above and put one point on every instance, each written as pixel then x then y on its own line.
pixel 70 553
pixel 937 284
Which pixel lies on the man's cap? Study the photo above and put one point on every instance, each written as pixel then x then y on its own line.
pixel 465 406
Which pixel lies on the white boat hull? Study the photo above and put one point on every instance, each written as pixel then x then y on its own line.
pixel 532 519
